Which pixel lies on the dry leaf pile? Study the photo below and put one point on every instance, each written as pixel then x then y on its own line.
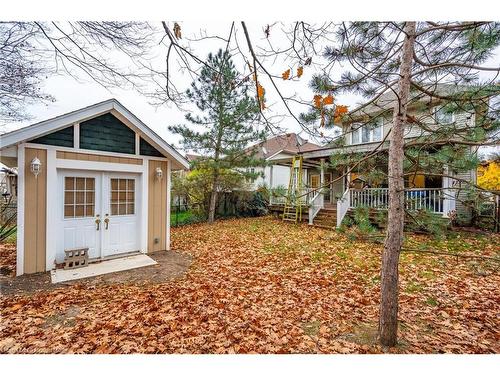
pixel 263 286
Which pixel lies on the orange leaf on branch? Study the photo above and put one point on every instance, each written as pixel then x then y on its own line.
pixel 328 100
pixel 285 75
pixel 317 101
pixel 300 71
pixel 260 95
pixel 340 110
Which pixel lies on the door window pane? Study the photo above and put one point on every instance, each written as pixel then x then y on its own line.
pixel 122 196
pixel 314 181
pixel 79 197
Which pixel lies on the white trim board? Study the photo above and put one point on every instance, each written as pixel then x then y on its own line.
pixel 20 211
pixel 102 268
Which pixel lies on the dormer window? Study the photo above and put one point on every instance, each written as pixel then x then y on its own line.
pixel 443 116
pixel 366 133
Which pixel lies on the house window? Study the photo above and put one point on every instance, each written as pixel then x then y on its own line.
pixel 355 134
pixel 371 132
pixel 122 196
pixel 377 133
pixel 365 134
pixel 79 197
pixel 443 116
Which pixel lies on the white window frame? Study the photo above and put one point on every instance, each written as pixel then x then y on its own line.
pixel 435 111
pixel 360 133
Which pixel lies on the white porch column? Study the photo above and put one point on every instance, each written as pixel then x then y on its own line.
pixel 322 172
pixel 271 176
pixel 322 182
pixel 448 195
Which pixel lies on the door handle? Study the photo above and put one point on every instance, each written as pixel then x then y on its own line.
pixel 106 221
pixel 97 222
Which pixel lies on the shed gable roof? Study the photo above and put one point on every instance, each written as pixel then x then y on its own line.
pixel 108 106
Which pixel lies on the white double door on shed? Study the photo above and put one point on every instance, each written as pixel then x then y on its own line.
pixel 100 211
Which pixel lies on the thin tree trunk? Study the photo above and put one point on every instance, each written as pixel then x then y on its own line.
pixel 388 321
pixel 213 202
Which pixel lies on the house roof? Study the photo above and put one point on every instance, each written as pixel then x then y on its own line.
pixel 386 101
pixel 192 157
pixel 54 124
pixel 289 143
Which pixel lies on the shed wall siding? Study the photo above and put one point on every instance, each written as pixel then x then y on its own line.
pixel 35 207
pixel 157 207
pixel 99 158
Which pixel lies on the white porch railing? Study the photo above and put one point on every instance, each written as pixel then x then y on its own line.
pixel 343 205
pixel 305 196
pixel 315 205
pixel 415 199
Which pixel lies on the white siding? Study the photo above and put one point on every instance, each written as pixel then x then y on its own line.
pixel 280 176
pixel 460 191
pixel 461 119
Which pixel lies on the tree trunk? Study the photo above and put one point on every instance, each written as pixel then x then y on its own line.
pixel 388 321
pixel 213 202
pixel 213 194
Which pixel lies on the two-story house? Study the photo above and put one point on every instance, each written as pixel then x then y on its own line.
pixel 367 131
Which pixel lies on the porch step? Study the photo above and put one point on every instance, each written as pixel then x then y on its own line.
pixel 326 214
pixel 326 218
pixel 323 226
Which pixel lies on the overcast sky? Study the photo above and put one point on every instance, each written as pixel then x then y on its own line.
pixel 71 94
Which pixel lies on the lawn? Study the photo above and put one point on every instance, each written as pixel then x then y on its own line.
pixel 263 286
pixel 182 217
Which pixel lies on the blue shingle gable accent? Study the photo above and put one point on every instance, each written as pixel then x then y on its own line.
pixel 107 133
pixel 63 138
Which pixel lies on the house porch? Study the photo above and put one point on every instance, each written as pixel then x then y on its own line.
pixel 328 193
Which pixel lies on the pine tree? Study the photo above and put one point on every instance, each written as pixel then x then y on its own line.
pixel 226 125
pixel 406 70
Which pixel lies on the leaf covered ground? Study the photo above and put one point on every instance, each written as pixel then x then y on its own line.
pixel 263 286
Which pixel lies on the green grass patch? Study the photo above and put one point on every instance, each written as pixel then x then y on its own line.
pixel 311 328
pixel 183 217
pixel 318 256
pixel 413 287
pixel 431 301
pixel 342 254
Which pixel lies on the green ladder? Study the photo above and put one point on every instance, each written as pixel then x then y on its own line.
pixel 293 207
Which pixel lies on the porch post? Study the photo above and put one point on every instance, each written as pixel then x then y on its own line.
pixel 448 196
pixel 322 181
pixel 322 172
pixel 271 176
